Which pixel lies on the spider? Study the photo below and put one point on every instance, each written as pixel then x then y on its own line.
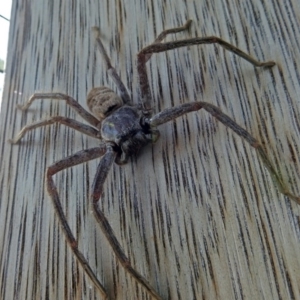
pixel 123 129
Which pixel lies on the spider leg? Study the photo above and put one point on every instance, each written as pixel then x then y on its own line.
pixel 75 159
pixel 97 188
pixel 162 47
pixel 69 100
pixel 88 130
pixel 110 69
pixel 172 113
pixel 164 33
pixel 156 47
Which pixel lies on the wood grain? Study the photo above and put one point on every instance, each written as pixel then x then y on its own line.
pixel 197 213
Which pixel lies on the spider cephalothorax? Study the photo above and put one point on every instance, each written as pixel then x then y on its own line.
pixel 129 130
pixel 124 127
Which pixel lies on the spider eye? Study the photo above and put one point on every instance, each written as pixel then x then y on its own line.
pixel 102 101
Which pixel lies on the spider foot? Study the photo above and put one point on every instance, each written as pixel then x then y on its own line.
pixel 267 64
pixel 187 24
pixel 21 107
pixel 13 141
pixel 96 31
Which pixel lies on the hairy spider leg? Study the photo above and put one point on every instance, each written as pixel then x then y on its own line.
pixel 83 128
pixel 175 112
pixel 86 129
pixel 75 159
pixel 108 158
pixel 97 189
pixel 163 35
pixel 69 100
pixel 156 47
pixel 110 69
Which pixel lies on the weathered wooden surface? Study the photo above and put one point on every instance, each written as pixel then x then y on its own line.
pixel 197 213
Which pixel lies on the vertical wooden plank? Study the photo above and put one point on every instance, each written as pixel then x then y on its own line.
pixel 197 213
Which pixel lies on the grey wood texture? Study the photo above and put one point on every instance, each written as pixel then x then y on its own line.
pixel 197 213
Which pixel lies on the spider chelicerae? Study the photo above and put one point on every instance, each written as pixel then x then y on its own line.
pixel 123 129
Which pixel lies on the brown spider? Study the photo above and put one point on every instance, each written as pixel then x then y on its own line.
pixel 123 128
